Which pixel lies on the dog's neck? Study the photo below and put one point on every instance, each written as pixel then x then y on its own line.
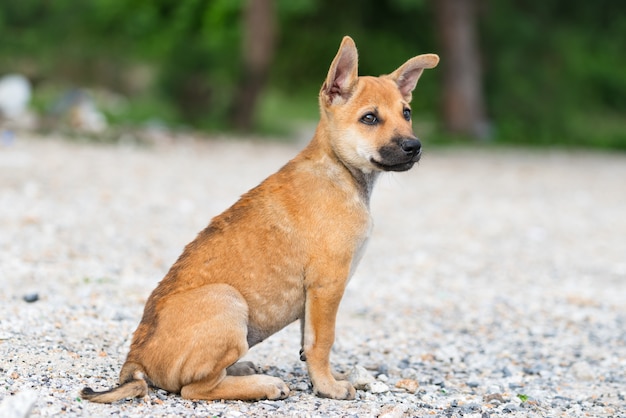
pixel 362 181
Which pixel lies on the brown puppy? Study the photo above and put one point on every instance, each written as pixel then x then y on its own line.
pixel 284 252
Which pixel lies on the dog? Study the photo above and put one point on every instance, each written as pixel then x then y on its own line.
pixel 284 252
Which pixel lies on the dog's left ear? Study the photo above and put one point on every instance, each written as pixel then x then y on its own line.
pixel 407 74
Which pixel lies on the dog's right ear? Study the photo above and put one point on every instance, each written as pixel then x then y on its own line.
pixel 342 75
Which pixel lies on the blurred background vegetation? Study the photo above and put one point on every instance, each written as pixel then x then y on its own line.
pixel 517 71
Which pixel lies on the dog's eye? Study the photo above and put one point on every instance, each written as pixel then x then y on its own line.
pixel 369 119
pixel 407 114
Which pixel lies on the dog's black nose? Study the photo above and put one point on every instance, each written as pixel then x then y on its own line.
pixel 411 146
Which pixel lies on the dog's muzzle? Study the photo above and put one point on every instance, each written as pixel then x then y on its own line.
pixel 400 155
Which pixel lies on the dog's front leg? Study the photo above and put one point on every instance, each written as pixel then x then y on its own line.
pixel 321 307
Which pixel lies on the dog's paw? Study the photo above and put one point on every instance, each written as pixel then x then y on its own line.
pixel 339 389
pixel 276 389
pixel 242 368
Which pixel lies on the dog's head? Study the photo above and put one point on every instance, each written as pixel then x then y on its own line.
pixel 369 118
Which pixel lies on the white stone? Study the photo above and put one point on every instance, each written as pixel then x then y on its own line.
pixel 18 405
pixel 377 387
pixel 15 93
pixel 360 378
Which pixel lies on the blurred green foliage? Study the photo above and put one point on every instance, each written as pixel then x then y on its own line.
pixel 553 70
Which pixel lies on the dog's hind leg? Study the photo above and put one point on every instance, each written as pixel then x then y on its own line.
pixel 245 388
pixel 206 332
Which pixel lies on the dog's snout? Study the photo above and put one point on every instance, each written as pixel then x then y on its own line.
pixel 411 146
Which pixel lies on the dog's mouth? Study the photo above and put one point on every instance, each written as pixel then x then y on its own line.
pixel 395 166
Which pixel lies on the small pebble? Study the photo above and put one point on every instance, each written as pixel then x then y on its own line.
pixel 494 397
pixel 31 297
pixel 360 378
pixel 377 387
pixel 409 385
pixel 404 363
pixel 301 386
pixel 510 407
pixel 397 411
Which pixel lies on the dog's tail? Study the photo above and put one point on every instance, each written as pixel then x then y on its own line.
pixel 134 385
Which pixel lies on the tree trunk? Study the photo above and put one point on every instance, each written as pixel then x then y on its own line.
pixel 463 103
pixel 259 39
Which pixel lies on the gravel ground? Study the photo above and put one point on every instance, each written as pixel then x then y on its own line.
pixel 494 283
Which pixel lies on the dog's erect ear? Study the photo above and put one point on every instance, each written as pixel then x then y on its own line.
pixel 407 75
pixel 343 73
